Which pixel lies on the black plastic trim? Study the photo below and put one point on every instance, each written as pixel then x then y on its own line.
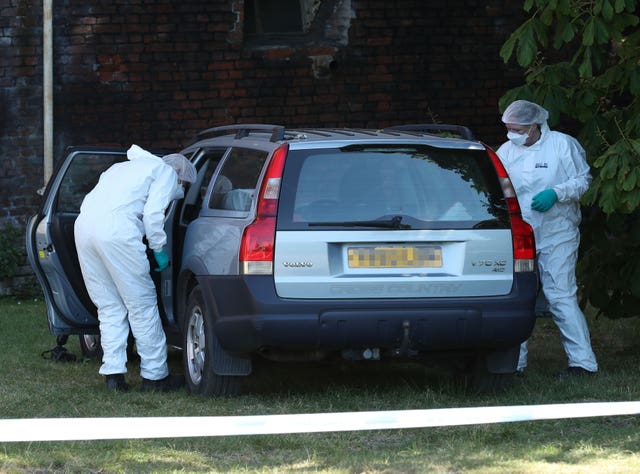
pixel 250 316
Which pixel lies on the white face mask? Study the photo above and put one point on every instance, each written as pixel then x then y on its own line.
pixel 517 139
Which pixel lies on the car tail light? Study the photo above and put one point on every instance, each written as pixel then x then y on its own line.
pixel 258 239
pixel 524 245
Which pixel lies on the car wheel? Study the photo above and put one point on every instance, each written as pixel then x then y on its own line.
pixel 90 346
pixel 92 349
pixel 200 343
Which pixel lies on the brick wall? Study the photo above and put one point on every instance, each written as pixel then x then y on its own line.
pixel 156 72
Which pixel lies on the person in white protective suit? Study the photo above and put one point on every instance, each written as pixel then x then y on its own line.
pixel 550 174
pixel 127 204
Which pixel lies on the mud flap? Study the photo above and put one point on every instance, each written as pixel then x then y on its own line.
pixel 503 361
pixel 227 364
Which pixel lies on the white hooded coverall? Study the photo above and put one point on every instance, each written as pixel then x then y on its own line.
pixel 128 203
pixel 556 161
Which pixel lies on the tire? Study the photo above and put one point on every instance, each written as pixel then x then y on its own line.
pixel 90 346
pixel 199 345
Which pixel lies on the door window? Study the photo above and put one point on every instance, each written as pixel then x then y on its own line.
pixel 236 183
pixel 81 177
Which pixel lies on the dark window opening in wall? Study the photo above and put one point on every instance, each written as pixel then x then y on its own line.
pixel 268 17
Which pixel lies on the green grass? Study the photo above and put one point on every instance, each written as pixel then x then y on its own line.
pixel 31 386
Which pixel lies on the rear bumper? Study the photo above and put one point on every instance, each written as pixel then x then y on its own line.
pixel 250 317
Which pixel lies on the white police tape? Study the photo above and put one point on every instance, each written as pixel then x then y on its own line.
pixel 67 429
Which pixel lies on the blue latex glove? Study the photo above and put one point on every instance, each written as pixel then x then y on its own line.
pixel 162 259
pixel 543 201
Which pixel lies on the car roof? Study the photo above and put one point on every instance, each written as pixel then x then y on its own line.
pixel 261 135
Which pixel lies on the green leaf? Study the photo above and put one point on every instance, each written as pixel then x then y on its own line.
pixel 555 101
pixel 587 98
pixel 527 48
pixel 568 32
pixel 10 254
pixel 552 74
pixel 600 161
pixel 607 10
pixel 629 181
pixel 636 172
pixel 588 35
pixel 632 200
pixel 585 68
pixel 609 169
pixel 597 8
pixel 635 145
pixel 601 31
pixel 541 32
pixel 523 92
pixel 611 78
pixel 619 6
pixel 547 15
pixel 507 48
pixel 564 7
pixel 620 24
pixel 608 198
pixel 589 197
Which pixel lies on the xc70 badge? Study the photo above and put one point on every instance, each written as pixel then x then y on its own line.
pixel 497 265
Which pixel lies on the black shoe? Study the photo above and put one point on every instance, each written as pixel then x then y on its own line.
pixel 116 383
pixel 170 383
pixel 574 372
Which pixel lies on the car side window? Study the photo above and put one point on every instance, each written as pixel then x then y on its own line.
pixel 81 177
pixel 206 163
pixel 236 183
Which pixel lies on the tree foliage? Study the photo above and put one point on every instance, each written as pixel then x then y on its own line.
pixel 10 254
pixel 581 61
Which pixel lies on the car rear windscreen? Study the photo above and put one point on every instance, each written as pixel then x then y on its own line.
pixel 416 186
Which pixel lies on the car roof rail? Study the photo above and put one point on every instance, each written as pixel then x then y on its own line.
pixel 243 130
pixel 461 130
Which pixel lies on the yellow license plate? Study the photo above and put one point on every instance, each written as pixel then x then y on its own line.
pixel 395 256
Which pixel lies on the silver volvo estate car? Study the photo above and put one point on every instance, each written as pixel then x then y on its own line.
pixel 403 243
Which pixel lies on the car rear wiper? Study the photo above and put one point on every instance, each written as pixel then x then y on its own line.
pixel 394 223
pixel 490 224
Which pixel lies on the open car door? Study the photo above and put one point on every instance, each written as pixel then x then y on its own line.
pixel 50 240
